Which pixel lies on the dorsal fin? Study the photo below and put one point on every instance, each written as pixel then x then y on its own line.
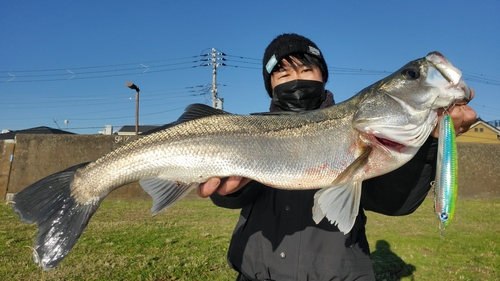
pixel 279 113
pixel 198 110
pixel 192 111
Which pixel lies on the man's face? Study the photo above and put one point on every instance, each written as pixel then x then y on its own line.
pixel 293 72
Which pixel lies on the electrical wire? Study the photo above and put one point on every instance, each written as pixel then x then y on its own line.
pixel 156 66
pixel 234 61
pixel 101 66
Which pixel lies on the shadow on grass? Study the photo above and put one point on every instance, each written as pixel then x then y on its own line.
pixel 387 265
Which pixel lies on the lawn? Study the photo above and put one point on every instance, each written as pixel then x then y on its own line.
pixel 411 246
pixel 189 242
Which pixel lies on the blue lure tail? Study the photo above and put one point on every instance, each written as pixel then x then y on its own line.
pixel 60 219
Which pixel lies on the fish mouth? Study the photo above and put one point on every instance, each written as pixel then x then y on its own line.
pixel 452 74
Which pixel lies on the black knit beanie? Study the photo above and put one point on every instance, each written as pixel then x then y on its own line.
pixel 283 46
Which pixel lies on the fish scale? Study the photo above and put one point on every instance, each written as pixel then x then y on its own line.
pixel 207 152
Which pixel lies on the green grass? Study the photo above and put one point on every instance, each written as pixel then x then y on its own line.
pixel 411 246
pixel 189 242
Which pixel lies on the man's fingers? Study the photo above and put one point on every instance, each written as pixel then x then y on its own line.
pixel 469 116
pixel 232 184
pixel 208 188
pixel 222 186
pixel 463 117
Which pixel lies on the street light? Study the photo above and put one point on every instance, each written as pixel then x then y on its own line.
pixel 134 87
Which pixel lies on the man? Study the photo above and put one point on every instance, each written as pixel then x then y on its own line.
pixel 276 237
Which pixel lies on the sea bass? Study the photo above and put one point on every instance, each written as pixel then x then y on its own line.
pixel 446 183
pixel 335 149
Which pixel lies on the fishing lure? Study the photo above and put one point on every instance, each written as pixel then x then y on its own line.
pixel 446 183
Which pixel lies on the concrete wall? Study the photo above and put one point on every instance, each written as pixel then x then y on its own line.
pixel 478 170
pixel 36 156
pixel 6 150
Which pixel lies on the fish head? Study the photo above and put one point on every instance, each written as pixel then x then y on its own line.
pixel 401 110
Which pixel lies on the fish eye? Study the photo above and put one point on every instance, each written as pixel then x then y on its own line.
pixel 410 74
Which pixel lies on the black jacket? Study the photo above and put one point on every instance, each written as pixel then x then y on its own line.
pixel 276 238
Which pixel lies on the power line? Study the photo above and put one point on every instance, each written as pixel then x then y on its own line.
pixel 92 72
pixel 156 66
pixel 219 60
pixel 253 63
pixel 100 66
pixel 98 76
pixel 481 80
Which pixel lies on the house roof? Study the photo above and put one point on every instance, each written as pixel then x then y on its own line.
pixel 131 128
pixel 35 130
pixel 486 124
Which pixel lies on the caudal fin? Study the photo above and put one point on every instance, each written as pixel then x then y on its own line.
pixel 60 219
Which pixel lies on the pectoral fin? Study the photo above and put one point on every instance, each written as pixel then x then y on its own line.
pixel 340 205
pixel 357 164
pixel 340 201
pixel 165 192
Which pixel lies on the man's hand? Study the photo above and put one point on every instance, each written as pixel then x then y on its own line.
pixel 463 117
pixel 228 186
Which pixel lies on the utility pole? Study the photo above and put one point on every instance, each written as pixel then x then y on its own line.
pixel 216 101
pixel 134 87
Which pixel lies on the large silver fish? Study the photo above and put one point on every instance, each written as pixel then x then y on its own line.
pixel 373 133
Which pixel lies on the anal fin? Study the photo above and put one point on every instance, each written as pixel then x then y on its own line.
pixel 165 192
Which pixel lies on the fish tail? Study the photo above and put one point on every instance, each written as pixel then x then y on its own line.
pixel 59 217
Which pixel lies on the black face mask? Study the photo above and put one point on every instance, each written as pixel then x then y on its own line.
pixel 299 95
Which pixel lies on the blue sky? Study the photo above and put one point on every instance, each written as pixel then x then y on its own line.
pixel 69 60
